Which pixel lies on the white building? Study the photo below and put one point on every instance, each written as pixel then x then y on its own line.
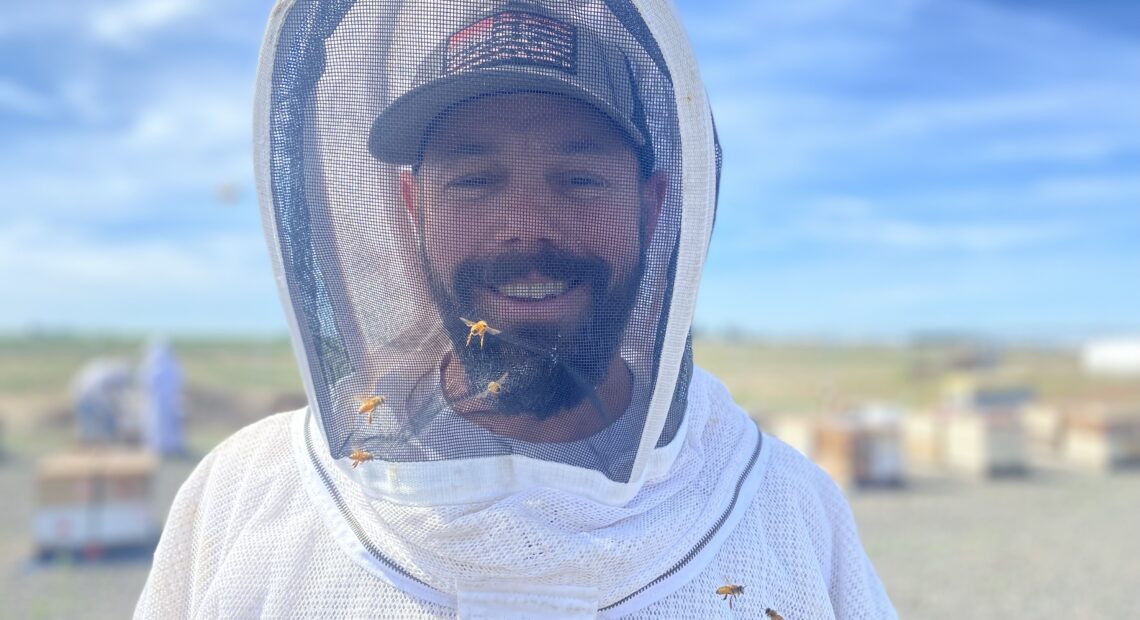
pixel 1117 356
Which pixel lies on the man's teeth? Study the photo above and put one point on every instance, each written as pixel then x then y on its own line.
pixel 533 290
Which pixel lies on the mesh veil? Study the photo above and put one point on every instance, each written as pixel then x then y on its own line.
pixel 487 221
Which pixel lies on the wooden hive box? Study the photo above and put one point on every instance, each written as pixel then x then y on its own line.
pixel 1102 439
pixel 924 438
pixel 92 500
pixel 857 451
pixel 1044 429
pixel 990 443
pixel 797 431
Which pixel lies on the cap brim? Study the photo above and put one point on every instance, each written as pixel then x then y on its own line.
pixel 397 134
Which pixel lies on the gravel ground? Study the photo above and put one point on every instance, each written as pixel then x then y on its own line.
pixel 1053 544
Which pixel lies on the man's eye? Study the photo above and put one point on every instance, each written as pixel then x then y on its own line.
pixel 474 181
pixel 586 180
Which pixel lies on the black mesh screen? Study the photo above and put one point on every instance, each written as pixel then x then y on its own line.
pixel 478 206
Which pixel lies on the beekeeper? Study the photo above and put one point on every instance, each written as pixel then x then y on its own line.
pixel 160 382
pixel 488 221
pixel 104 408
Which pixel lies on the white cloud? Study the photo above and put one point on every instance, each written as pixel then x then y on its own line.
pixel 191 119
pixel 125 24
pixel 852 220
pixel 1090 191
pixel 187 138
pixel 64 262
pixel 790 137
pixel 868 293
pixel 856 224
pixel 64 275
pixel 911 85
pixel 1065 146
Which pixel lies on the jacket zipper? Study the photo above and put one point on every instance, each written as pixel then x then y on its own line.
pixel 351 519
pixel 704 539
pixel 376 553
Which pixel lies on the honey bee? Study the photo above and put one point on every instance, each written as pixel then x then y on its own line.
pixel 369 405
pixel 480 329
pixel 358 456
pixel 496 386
pixel 772 614
pixel 729 592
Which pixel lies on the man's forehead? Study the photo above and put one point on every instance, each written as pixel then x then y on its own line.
pixel 486 124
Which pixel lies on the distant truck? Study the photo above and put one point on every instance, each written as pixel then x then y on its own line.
pixel 95 501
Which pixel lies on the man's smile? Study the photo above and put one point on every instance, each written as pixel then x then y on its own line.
pixel 533 290
pixel 536 298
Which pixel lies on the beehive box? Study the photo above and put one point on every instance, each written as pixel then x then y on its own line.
pixel 796 431
pixel 924 439
pixel 1102 439
pixel 985 444
pixel 856 452
pixel 95 500
pixel 1044 429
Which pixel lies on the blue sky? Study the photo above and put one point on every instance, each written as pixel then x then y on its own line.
pixel 891 166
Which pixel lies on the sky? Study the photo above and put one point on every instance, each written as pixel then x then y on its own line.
pixel 890 167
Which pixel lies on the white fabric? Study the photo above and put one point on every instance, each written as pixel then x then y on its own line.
pixel 698 151
pixel 249 536
pixel 490 601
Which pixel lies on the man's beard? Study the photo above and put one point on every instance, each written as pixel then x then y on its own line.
pixel 549 367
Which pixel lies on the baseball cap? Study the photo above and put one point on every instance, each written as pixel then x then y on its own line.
pixel 517 49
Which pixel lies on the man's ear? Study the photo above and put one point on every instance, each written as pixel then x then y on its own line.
pixel 653 192
pixel 408 193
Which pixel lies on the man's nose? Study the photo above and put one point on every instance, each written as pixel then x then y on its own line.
pixel 531 215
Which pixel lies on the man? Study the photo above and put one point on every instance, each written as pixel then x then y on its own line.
pixel 542 174
pixel 491 281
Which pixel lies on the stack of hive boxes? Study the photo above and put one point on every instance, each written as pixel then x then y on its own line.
pixel 95 500
pixel 1102 438
pixel 861 447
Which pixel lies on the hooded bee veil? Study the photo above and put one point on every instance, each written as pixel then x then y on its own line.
pixel 488 221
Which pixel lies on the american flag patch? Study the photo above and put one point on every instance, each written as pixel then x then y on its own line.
pixel 513 38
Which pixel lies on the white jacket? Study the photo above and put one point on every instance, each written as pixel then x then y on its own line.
pixel 255 532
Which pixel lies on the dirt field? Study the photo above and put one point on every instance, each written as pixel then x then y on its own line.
pixel 1053 544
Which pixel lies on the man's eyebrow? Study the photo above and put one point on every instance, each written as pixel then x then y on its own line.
pixel 467 149
pixel 470 148
pixel 586 146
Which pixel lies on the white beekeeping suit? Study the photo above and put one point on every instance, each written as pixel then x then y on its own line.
pixel 160 386
pixel 103 407
pixel 488 221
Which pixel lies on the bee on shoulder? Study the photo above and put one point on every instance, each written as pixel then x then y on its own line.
pixel 729 592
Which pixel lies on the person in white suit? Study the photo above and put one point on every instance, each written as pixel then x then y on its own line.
pixel 488 221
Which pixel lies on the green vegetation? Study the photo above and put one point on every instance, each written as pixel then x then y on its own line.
pixel 47 364
pixel 811 377
pixel 231 382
